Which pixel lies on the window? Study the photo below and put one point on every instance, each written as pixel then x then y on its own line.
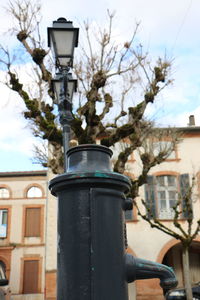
pixel 167 195
pixel 31 277
pixel 4 193
pixel 34 192
pixel 129 215
pixel 33 222
pixel 2 270
pixel 3 222
pixel 162 193
pixel 164 146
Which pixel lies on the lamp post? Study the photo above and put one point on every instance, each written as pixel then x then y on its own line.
pixel 91 259
pixel 63 38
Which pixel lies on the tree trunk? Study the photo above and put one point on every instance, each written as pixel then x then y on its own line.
pixel 186 273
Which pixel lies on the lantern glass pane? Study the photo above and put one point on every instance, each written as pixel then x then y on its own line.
pixel 57 90
pixel 64 42
pixel 71 87
pixel 64 61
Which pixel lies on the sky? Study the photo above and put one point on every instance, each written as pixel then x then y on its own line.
pixel 166 27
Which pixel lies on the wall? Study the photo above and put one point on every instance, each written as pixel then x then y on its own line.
pixel 51 244
pixel 151 243
pixel 20 248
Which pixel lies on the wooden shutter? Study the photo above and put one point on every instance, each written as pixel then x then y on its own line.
pixel 184 188
pixel 32 223
pixel 30 276
pixel 150 197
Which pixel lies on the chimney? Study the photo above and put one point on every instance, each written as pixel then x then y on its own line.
pixel 191 120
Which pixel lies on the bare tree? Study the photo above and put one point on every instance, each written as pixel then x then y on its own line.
pixel 108 73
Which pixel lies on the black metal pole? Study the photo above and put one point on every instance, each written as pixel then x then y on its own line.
pixel 66 138
pixel 65 111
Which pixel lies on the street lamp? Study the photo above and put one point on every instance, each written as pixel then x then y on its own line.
pixel 63 38
pixel 56 86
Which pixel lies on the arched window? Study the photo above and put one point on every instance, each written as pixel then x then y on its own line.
pixel 34 192
pixel 4 192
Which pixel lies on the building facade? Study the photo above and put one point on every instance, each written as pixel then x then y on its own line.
pixel 28 224
pixel 22 232
pixel 164 185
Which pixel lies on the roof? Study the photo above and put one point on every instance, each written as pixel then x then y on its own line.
pixel 189 128
pixel 23 173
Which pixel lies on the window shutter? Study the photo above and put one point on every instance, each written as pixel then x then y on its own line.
pixel 33 217
pixel 30 281
pixel 150 197
pixel 184 188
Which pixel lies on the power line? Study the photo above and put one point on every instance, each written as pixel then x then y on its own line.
pixel 181 25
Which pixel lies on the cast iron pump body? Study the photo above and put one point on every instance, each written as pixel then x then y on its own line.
pixel 91 259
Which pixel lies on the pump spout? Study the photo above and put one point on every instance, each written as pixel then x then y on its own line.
pixel 137 268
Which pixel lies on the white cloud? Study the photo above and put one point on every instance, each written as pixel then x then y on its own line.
pixel 15 134
pixel 165 25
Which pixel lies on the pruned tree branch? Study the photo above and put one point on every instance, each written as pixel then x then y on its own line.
pixel 103 60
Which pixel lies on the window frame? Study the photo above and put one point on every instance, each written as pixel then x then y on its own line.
pixel 2 210
pixel 151 194
pixel 34 187
pixel 31 258
pixel 6 189
pixel 158 143
pixel 166 188
pixel 30 226
pixel 41 235
pixel 162 144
